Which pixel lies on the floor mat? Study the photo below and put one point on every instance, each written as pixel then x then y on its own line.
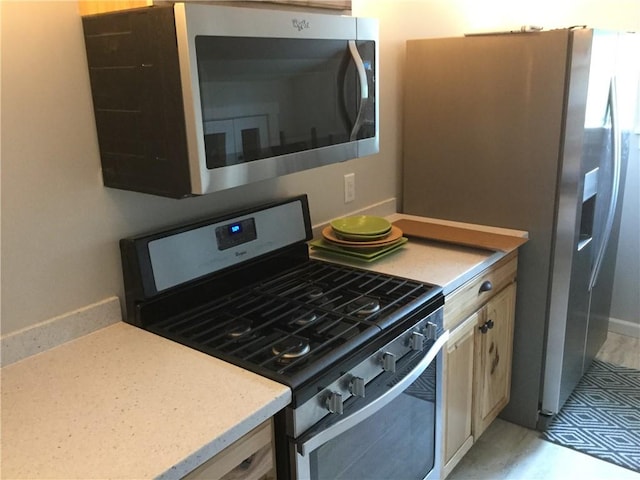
pixel 602 416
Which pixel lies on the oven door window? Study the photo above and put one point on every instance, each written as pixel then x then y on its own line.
pixel 396 442
pixel 266 97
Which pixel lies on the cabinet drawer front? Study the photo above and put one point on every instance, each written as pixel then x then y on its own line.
pixel 473 294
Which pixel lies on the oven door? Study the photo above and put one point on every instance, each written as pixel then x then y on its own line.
pixel 394 432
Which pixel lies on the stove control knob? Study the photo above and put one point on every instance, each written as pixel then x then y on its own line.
pixel 388 362
pixel 356 386
pixel 431 330
pixel 416 342
pixel 334 403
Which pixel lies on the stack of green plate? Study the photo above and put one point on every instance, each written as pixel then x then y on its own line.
pixel 365 237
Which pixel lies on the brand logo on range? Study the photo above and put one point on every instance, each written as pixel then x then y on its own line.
pixel 300 24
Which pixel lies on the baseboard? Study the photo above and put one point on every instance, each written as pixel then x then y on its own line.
pixel 624 327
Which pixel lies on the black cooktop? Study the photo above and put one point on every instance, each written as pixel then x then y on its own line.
pixel 242 287
pixel 295 324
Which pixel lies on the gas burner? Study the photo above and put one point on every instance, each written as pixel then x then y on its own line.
pixel 314 292
pixel 305 318
pixel 290 348
pixel 238 329
pixel 363 306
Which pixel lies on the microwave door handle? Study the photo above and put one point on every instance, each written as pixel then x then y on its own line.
pixel 364 87
pixel 616 158
pixel 370 409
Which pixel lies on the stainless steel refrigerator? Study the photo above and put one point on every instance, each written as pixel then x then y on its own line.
pixel 519 130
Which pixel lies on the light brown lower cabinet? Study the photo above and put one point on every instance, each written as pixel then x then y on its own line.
pixel 493 352
pixel 477 378
pixel 458 412
pixel 249 458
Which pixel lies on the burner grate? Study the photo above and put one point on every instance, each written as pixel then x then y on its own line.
pixel 298 321
pixel 342 286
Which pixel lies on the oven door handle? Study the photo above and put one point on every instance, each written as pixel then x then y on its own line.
pixel 316 440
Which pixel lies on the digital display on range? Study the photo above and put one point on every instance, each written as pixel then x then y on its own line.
pixel 236 233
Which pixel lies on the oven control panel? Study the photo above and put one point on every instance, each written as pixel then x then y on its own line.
pixel 236 233
pixel 186 254
pixel 330 400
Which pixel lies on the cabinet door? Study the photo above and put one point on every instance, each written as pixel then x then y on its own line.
pixel 459 393
pixel 493 344
pixel 248 458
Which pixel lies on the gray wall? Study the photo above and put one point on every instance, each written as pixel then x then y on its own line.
pixel 60 226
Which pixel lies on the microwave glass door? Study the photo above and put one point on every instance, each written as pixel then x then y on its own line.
pixel 266 97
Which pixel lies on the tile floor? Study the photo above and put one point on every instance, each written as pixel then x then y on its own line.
pixel 621 350
pixel 510 452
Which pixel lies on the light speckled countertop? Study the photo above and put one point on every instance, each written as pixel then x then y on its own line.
pixel 438 263
pixel 124 403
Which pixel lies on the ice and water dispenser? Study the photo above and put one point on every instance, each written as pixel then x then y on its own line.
pixel 588 208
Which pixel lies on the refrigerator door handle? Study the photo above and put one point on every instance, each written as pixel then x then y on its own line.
pixel 616 141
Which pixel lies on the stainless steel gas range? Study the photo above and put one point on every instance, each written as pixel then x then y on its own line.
pixel 360 350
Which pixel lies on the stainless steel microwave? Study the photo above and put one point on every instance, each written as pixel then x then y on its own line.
pixel 193 98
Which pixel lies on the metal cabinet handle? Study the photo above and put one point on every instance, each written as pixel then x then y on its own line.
pixel 486 286
pixel 486 326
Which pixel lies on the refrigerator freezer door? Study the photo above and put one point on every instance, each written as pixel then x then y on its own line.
pixel 627 47
pixel 571 261
pixel 615 158
pixel 568 344
pixel 614 166
pixel 482 136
